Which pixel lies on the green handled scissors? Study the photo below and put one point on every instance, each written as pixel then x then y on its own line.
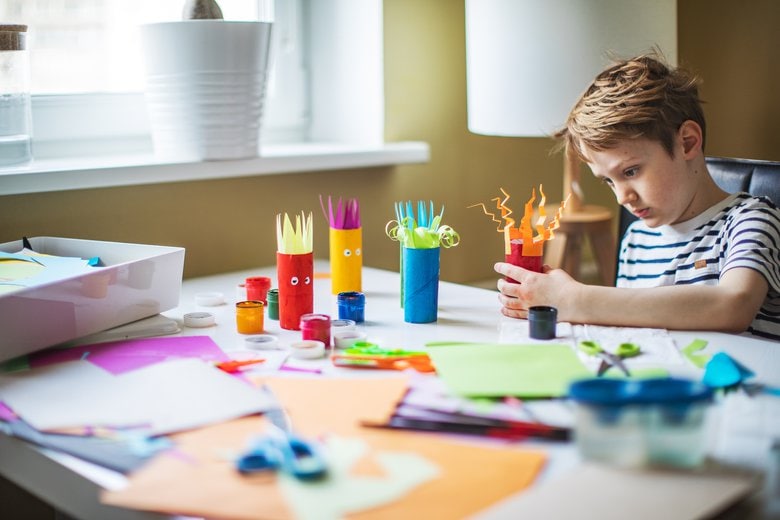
pixel 608 359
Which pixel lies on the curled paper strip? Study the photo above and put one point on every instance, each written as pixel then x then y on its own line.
pixel 532 243
pixel 422 230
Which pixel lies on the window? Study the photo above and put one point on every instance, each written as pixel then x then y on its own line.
pixel 324 106
pixel 87 75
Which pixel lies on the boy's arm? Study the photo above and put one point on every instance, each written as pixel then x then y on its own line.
pixel 730 306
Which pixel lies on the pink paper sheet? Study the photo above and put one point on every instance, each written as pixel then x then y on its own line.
pixel 118 357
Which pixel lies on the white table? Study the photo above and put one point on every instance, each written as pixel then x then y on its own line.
pixel 465 314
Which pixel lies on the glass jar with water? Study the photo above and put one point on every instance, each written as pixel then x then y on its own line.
pixel 15 108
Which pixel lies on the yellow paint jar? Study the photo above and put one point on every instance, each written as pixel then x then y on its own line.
pixel 249 317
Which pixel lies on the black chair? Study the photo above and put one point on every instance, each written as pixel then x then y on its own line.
pixel 760 178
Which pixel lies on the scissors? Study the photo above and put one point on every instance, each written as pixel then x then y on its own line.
pixel 608 359
pixel 419 362
pixel 282 450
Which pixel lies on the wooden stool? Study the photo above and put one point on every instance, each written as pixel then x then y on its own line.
pixel 565 250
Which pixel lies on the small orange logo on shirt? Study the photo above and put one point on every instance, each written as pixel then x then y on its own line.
pixel 700 264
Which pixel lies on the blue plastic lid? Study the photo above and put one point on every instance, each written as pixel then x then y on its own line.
pixel 620 392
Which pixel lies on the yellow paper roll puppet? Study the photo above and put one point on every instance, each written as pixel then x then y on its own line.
pixel 346 245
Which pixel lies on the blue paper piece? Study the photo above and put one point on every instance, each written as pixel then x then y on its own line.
pixel 723 371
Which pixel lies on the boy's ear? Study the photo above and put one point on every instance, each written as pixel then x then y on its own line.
pixel 690 136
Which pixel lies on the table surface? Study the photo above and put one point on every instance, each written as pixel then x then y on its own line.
pixel 465 314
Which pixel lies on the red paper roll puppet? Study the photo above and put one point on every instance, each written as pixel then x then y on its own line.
pixel 294 269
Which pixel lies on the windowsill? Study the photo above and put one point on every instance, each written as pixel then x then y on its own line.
pixel 110 171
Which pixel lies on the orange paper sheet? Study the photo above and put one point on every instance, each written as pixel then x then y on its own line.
pixel 199 480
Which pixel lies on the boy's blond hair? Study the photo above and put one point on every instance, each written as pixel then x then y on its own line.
pixel 638 97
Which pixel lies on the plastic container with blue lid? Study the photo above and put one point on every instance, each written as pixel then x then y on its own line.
pixel 632 423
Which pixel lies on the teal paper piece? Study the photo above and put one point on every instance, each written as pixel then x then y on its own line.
pixel 723 371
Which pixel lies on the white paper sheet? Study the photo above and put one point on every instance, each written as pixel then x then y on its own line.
pixel 166 397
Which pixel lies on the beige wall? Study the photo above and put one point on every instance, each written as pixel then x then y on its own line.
pixel 229 224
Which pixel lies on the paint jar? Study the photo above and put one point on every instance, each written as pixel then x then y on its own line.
pixel 249 317
pixel 634 423
pixel 316 327
pixel 273 304
pixel 257 288
pixel 352 306
pixel 516 257
pixel 542 322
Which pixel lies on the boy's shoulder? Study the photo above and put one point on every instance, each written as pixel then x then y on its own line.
pixel 747 203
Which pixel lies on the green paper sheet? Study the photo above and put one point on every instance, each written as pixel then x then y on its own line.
pixel 496 370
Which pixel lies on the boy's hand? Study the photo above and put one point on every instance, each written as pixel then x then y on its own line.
pixel 546 288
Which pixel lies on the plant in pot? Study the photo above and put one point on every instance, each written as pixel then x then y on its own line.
pixel 205 84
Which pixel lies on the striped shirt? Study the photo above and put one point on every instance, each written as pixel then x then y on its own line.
pixel 740 231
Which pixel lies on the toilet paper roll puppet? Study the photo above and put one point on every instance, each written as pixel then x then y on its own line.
pixel 421 237
pixel 524 243
pixel 294 269
pixel 346 245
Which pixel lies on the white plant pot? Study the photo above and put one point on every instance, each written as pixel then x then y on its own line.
pixel 205 87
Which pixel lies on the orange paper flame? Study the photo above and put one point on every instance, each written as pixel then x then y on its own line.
pixel 533 235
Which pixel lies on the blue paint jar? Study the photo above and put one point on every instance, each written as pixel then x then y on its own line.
pixel 352 306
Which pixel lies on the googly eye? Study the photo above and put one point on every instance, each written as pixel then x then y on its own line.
pixel 357 251
pixel 294 280
pixel 347 252
pixel 307 280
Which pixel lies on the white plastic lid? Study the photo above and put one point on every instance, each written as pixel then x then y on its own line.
pixel 307 349
pixel 209 299
pixel 262 342
pixel 199 319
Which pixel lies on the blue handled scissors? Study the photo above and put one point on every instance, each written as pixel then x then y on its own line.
pixel 608 359
pixel 282 450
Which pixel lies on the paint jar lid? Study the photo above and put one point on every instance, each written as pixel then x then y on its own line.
pixel 273 295
pixel 337 325
pixel 348 338
pixel 315 321
pixel 307 349
pixel 258 281
pixel 199 319
pixel 262 342
pixel 352 297
pixel 209 299
pixel 249 304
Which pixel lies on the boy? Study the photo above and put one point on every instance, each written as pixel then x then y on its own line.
pixel 698 258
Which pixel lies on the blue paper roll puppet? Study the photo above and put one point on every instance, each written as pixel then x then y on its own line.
pixel 421 237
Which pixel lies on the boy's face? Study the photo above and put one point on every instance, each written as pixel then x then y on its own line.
pixel 655 187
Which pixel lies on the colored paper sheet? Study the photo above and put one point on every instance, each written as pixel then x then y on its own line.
pixel 345 492
pixel 27 269
pixel 495 370
pixel 119 453
pixel 161 398
pixel 119 357
pixel 200 480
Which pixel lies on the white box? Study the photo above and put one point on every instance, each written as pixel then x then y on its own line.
pixel 137 281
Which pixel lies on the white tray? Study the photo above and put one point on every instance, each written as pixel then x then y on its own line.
pixel 137 281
